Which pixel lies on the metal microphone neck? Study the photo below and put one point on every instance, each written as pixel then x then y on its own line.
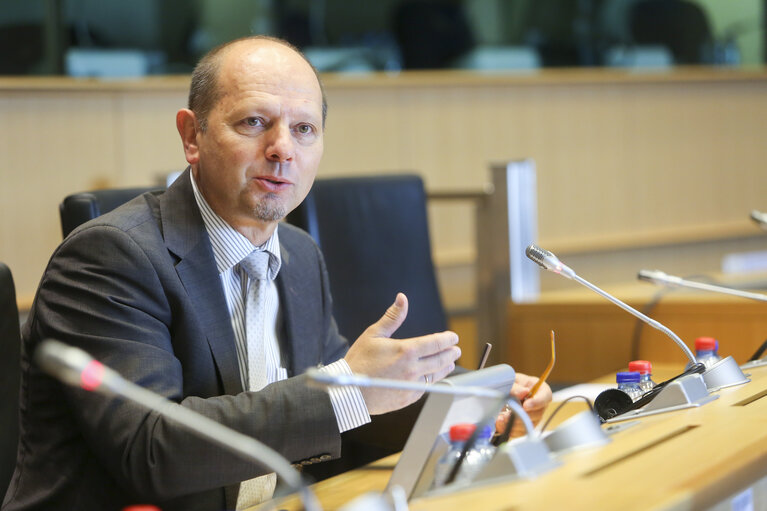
pixel 760 218
pixel 660 278
pixel 323 379
pixel 550 262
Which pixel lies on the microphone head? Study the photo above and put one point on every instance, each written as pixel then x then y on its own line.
pixel 653 276
pixel 760 218
pixel 538 255
pixel 548 261
pixel 61 361
pixel 659 278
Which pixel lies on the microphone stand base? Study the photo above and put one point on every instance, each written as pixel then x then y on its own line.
pixel 523 458
pixel 725 373
pixel 579 431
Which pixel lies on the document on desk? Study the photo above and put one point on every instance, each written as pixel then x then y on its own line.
pixel 589 390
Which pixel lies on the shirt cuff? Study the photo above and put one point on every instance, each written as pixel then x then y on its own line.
pixel 348 403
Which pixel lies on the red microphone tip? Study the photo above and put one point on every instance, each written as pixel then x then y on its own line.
pixel 92 376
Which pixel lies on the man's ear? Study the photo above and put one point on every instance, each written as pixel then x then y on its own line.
pixel 188 128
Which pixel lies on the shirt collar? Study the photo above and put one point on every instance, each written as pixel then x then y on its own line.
pixel 229 246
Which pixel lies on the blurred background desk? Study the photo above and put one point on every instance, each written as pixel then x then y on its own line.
pixel 595 337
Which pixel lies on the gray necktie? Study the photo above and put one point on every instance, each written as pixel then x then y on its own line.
pixel 256 265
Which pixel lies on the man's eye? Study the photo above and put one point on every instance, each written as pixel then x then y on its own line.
pixel 254 121
pixel 304 129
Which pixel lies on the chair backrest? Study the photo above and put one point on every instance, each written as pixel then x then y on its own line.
pixel 431 34
pixel 679 25
pixel 78 208
pixel 374 234
pixel 10 373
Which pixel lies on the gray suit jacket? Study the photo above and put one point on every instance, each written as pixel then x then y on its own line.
pixel 138 289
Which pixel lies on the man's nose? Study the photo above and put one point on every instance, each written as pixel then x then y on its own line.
pixel 281 146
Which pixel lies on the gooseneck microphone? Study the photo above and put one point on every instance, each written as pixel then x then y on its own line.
pixel 659 278
pixel 550 262
pixel 75 367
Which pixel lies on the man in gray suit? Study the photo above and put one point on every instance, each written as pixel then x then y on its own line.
pixel 167 290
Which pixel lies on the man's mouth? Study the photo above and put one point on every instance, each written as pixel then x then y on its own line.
pixel 273 183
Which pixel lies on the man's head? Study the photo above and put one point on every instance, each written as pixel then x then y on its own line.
pixel 254 132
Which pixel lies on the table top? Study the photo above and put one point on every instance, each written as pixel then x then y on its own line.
pixel 685 459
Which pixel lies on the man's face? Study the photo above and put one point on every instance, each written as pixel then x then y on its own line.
pixel 258 157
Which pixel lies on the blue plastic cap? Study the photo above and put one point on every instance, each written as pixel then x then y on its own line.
pixel 627 377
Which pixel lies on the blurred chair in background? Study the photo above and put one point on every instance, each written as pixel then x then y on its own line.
pixel 374 234
pixel 21 48
pixel 10 373
pixel 679 25
pixel 431 33
pixel 78 208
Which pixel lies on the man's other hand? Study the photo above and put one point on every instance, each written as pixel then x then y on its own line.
pixel 534 406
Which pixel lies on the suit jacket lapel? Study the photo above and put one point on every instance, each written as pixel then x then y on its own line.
pixel 186 237
pixel 301 351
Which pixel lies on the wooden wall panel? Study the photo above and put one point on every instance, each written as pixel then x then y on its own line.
pixel 626 162
pixel 50 143
pixel 150 145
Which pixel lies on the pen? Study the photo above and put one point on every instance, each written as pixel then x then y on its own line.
pixel 546 371
pixel 485 354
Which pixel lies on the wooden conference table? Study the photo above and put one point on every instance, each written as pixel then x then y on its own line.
pixel 713 456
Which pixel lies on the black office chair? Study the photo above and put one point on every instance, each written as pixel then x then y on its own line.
pixel 431 34
pixel 679 25
pixel 374 234
pixel 22 46
pixel 10 373
pixel 78 208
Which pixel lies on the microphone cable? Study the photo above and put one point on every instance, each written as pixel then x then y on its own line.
pixel 559 407
pixel 759 352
